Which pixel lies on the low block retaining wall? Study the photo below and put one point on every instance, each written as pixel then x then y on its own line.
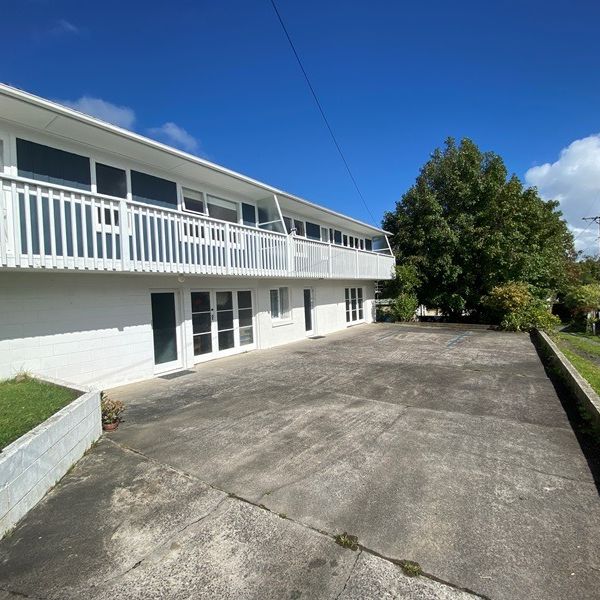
pixel 31 465
pixel 579 387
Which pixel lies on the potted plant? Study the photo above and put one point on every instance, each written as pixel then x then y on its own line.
pixel 111 412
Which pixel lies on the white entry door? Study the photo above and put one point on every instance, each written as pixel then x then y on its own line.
pixel 222 322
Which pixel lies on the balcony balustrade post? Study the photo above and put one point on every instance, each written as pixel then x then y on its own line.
pixel 227 245
pixel 124 235
pixel 291 253
pixel 356 270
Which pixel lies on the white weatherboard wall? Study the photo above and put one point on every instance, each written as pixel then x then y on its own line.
pixel 95 329
pixel 31 465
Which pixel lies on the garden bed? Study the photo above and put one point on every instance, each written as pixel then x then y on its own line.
pixel 26 402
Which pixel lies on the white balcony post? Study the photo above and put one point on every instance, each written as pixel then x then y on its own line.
pixel 291 247
pixel 330 261
pixel 124 235
pixel 227 257
pixel 356 273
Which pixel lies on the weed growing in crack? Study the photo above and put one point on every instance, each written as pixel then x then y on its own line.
pixel 345 540
pixel 411 568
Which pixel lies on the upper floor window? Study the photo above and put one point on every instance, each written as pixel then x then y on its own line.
pixel 368 245
pixel 324 234
pixel 337 237
pixel 288 224
pixel 194 201
pixel 111 181
pixel 224 210
pixel 345 240
pixel 153 190
pixel 313 231
pixel 43 163
pixel 248 215
pixel 299 225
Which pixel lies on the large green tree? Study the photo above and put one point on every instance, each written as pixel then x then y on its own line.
pixel 467 226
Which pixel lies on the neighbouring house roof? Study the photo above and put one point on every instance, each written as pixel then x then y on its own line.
pixel 32 111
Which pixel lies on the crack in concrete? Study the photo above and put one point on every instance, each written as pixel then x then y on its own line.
pixel 21 594
pixel 362 548
pixel 350 573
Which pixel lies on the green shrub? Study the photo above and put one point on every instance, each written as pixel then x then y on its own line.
pixel 535 315
pixel 515 308
pixel 404 306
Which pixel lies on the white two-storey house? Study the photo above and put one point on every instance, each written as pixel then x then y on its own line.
pixel 123 259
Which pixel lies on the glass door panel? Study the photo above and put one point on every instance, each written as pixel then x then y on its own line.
pixel 164 327
pixel 308 324
pixel 202 323
pixel 244 301
pixel 225 328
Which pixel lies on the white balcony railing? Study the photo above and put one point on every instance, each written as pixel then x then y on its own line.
pixel 46 226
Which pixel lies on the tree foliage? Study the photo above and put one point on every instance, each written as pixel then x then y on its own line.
pixel 465 226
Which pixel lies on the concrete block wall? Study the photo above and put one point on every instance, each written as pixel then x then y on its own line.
pixel 32 465
pixel 95 329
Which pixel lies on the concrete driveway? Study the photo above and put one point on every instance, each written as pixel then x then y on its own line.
pixel 443 445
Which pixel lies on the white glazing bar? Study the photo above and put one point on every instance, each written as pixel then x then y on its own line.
pixel 94 240
pixel 40 225
pixel 74 236
pixel 103 233
pixel 27 209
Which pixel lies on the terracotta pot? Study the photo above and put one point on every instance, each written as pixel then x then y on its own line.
pixel 110 426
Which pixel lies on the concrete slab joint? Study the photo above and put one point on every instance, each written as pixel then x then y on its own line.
pixel 34 463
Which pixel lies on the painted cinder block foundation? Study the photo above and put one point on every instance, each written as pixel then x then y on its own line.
pixel 34 463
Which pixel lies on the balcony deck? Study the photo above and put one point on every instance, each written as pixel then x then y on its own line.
pixel 49 227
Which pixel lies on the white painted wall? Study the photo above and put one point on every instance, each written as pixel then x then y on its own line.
pixel 95 329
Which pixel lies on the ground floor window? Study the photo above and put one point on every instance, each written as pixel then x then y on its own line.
pixel 280 303
pixel 354 305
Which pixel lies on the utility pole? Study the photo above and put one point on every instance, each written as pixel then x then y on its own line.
pixel 597 221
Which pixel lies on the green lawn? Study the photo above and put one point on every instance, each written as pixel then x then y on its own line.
pixel 25 403
pixel 583 350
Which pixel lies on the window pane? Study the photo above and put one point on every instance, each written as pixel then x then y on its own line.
pixel 193 201
pixel 244 300
pixel 345 238
pixel 222 209
pixel 225 340
pixel 245 317
pixel 224 319
pixel 368 245
pixel 284 299
pixel 299 225
pixel 337 237
pixel 347 293
pixel 153 190
pixel 246 336
pixel 347 316
pixel 202 344
pixel 111 181
pixel 274 304
pixel 44 163
pixel 248 215
pixel 362 244
pixel 324 234
pixel 353 293
pixel 313 231
pixel 224 300
pixel 201 322
pixel 288 224
pixel 359 291
pixel 200 301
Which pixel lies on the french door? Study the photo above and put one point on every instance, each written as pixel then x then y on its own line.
pixel 222 322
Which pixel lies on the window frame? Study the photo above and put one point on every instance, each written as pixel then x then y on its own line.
pixel 283 317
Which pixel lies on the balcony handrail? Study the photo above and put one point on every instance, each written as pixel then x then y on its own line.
pixel 50 226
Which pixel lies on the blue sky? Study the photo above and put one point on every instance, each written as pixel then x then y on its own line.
pixel 395 79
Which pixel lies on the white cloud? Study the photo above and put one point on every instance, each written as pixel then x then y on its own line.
pixel 574 180
pixel 174 135
pixel 63 26
pixel 122 116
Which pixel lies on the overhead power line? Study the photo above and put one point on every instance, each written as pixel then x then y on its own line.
pixel 314 95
